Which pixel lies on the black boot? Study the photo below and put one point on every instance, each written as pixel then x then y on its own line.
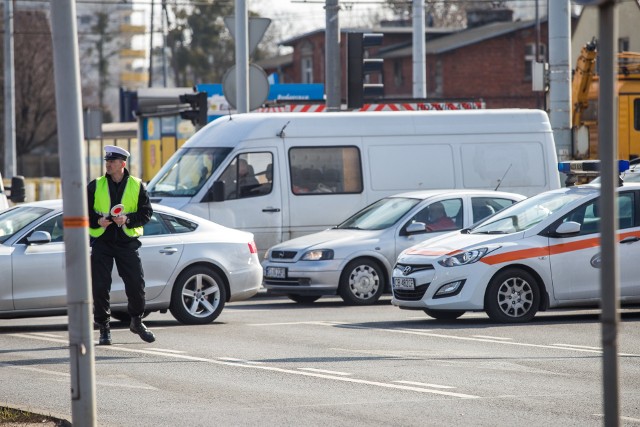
pixel 137 327
pixel 105 334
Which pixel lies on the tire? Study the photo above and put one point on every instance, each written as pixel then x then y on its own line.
pixel 444 314
pixel 513 296
pixel 303 299
pixel 198 296
pixel 362 282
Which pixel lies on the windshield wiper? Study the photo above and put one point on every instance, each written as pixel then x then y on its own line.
pixel 350 228
pixel 160 193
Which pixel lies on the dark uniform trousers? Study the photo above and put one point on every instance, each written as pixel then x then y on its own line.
pixel 129 268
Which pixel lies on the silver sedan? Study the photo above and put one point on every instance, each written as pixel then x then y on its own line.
pixel 192 266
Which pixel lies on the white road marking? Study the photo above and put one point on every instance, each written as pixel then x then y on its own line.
pixel 424 384
pixel 325 371
pixel 165 349
pixel 66 375
pixel 322 323
pixel 578 346
pixel 41 334
pixel 493 338
pixel 233 359
pixel 220 361
pixel 633 420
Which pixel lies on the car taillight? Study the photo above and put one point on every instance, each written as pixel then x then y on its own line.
pixel 252 248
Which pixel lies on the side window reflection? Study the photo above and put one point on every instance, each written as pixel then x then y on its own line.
pixel 54 227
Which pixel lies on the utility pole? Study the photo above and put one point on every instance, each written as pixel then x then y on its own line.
pixel 609 246
pixel 242 57
pixel 333 69
pixel 10 168
pixel 560 76
pixel 75 216
pixel 150 82
pixel 419 51
pixel 165 24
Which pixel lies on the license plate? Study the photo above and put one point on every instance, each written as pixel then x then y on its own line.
pixel 276 272
pixel 404 283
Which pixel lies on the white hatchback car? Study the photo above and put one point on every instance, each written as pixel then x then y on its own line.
pixel 542 253
pixel 355 258
pixel 192 266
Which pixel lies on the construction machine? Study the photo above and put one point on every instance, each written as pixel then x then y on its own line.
pixel 585 87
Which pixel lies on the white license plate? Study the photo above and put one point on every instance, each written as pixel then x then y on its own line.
pixel 276 272
pixel 404 283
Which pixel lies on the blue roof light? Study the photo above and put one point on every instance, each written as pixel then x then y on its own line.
pixel 588 167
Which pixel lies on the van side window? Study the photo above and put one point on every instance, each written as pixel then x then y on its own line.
pixel 321 170
pixel 248 175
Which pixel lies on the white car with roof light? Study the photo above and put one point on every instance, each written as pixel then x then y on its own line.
pixel 541 253
pixel 355 258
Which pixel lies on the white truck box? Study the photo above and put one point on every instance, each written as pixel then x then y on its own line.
pixel 310 171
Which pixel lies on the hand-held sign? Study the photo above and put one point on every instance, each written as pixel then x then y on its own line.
pixel 117 211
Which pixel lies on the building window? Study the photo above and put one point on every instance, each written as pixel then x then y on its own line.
pixel 306 62
pixel 530 58
pixel 398 77
pixel 322 170
pixel 623 44
pixel 307 69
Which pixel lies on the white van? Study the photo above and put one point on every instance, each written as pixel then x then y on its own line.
pixel 284 175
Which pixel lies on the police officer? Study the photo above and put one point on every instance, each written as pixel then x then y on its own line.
pixel 115 237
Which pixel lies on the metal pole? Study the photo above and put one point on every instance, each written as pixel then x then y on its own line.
pixel 608 149
pixel 150 82
pixel 560 76
pixel 75 216
pixel 164 43
pixel 332 73
pixel 242 57
pixel 10 168
pixel 419 51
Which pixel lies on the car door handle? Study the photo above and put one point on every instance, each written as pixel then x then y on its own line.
pixel 630 239
pixel 168 251
pixel 271 210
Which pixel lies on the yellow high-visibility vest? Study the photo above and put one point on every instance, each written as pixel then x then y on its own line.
pixel 102 203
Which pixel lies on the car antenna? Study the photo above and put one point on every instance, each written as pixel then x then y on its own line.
pixel 501 179
pixel 281 133
pixel 229 110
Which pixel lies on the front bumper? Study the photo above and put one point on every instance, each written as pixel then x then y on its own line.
pixel 304 278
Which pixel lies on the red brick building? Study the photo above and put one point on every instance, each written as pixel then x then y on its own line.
pixel 490 60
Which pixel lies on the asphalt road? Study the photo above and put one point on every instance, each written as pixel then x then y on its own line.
pixel 269 361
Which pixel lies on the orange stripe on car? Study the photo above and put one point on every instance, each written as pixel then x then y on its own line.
pixel 550 250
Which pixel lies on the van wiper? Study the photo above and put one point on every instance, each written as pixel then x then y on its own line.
pixel 350 228
pixel 159 193
pixel 491 232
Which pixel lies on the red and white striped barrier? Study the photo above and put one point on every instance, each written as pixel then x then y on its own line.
pixel 408 106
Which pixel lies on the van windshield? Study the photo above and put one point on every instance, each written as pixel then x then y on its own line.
pixel 186 172
pixel 380 215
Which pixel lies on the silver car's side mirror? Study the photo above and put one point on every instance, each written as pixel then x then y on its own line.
pixel 416 227
pixel 39 237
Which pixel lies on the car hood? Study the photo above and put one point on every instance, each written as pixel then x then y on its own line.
pixel 454 243
pixel 329 239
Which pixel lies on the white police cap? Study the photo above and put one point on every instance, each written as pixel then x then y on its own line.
pixel 115 153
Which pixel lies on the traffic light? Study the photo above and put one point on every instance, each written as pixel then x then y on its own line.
pixel 199 106
pixel 359 66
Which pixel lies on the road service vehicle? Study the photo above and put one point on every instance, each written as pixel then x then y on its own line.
pixel 540 253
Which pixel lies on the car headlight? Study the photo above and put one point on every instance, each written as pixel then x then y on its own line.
pixel 464 258
pixel 318 255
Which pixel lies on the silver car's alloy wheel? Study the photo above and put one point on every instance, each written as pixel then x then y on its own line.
pixel 361 283
pixel 198 296
pixel 512 296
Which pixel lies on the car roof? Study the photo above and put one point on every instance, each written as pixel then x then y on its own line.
pixel 425 194
pixel 57 204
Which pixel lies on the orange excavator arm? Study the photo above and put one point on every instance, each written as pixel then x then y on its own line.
pixel 582 77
